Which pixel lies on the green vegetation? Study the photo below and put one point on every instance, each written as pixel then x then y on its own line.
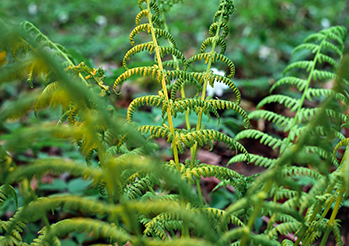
pixel 83 162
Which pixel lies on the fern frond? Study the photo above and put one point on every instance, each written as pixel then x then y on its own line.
pixel 307 65
pixel 193 105
pixel 214 58
pixel 301 171
pixel 219 79
pixel 257 159
pixel 309 113
pixel 223 104
pixel 309 46
pixel 322 153
pixel 158 224
pixel 317 74
pixel 137 187
pixel 155 131
pixel 138 29
pixel 53 93
pixel 318 92
pixel 337 234
pixel 141 101
pixel 42 166
pixel 144 13
pixel 172 51
pixel 264 138
pixel 206 170
pixel 278 119
pixel 143 71
pixel 289 102
pixel 39 36
pixel 203 136
pixel 322 58
pixel 214 40
pixel 299 83
pixel 219 214
pixel 177 85
pixel 136 49
pixel 6 191
pixel 284 228
pixel 175 74
pixel 214 26
pixel 89 226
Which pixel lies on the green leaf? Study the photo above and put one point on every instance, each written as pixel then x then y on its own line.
pixel 77 186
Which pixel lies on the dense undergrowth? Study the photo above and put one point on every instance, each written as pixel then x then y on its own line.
pixel 119 189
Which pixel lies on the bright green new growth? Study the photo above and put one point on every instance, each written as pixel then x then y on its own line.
pixel 151 202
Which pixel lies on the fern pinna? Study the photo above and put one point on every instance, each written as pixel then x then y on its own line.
pixel 310 135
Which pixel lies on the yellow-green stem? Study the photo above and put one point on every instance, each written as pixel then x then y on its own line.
pixel 203 94
pixel 333 217
pixel 163 84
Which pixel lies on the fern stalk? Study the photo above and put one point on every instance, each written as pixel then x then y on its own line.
pixel 288 140
pixel 163 84
pixel 256 210
pixel 203 94
pixel 333 216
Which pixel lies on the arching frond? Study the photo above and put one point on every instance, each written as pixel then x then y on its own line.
pixel 301 171
pixel 96 227
pixel 264 138
pixel 284 228
pixel 278 119
pixel 217 40
pixel 214 58
pixel 154 72
pixel 299 83
pixel 179 83
pixel 289 102
pixel 307 65
pixel 206 170
pixel 155 131
pixel 219 79
pixel 203 136
pixel 141 101
pixel 223 104
pixel 180 105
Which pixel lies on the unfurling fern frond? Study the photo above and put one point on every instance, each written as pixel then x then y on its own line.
pixel 140 101
pixel 214 58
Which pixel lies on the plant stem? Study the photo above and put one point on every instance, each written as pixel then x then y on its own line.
pixel 257 205
pixel 333 216
pixel 288 140
pixel 163 84
pixel 203 94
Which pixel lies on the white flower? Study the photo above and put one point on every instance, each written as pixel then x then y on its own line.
pixel 32 8
pixel 101 20
pixel 218 88
pixel 325 23
pixel 264 52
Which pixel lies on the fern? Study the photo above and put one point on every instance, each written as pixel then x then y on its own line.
pixel 309 131
pixel 152 202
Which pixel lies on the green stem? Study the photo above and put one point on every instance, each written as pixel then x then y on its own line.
pixel 333 216
pixel 288 140
pixel 257 205
pixel 203 94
